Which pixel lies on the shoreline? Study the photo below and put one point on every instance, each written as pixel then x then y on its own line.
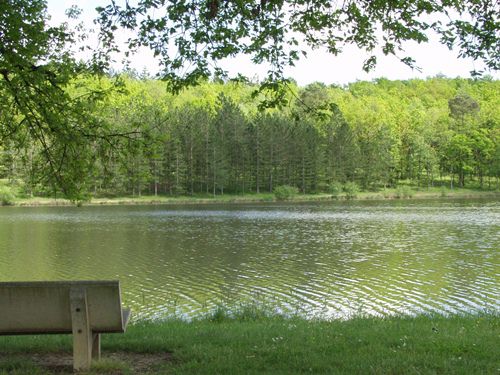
pixel 257 198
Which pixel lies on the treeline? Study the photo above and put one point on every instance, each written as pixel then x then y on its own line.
pixel 215 139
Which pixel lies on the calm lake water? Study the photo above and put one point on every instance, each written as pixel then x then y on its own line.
pixel 330 260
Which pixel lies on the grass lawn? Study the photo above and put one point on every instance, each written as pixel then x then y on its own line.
pixel 276 345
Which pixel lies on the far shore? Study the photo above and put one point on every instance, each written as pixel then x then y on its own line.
pixel 392 194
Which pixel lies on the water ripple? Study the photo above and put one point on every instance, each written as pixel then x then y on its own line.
pixel 317 259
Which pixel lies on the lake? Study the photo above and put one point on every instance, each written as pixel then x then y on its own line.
pixel 326 260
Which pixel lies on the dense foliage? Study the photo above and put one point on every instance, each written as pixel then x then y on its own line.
pixel 39 105
pixel 191 36
pixel 213 139
pixel 50 106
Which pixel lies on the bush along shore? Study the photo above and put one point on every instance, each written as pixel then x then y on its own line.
pixel 255 343
pixel 281 194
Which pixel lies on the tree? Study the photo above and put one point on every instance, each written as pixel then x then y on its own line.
pixel 461 106
pixel 483 149
pixel 342 150
pixel 277 32
pixel 39 101
pixel 459 156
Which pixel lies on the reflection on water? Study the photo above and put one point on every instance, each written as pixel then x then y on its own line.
pixel 333 259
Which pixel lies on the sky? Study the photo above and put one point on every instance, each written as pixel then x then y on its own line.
pixel 319 66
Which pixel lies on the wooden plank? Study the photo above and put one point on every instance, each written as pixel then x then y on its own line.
pixel 59 283
pixel 82 308
pixel 51 302
pixel 96 346
pixel 126 313
pixel 82 334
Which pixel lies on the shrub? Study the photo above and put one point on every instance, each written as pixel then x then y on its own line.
pixel 408 192
pixel 285 192
pixel 443 191
pixel 351 190
pixel 323 187
pixel 335 189
pixel 404 192
pixel 6 196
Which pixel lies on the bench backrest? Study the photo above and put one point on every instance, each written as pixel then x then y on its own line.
pixel 44 307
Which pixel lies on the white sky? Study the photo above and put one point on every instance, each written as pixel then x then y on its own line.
pixel 433 58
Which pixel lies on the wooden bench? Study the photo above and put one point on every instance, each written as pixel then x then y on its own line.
pixel 84 308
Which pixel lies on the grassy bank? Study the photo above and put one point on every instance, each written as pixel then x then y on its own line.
pixel 431 193
pixel 274 345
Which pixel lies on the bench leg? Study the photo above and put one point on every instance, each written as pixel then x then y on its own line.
pixel 82 335
pixel 96 346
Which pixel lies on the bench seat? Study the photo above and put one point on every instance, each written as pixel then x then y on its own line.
pixel 83 308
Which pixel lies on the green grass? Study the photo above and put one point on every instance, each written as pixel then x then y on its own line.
pixel 251 344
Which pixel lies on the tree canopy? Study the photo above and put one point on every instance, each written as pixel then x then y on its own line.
pixel 190 36
pixel 39 100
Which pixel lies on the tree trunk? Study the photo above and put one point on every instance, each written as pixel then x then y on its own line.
pixel 303 176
